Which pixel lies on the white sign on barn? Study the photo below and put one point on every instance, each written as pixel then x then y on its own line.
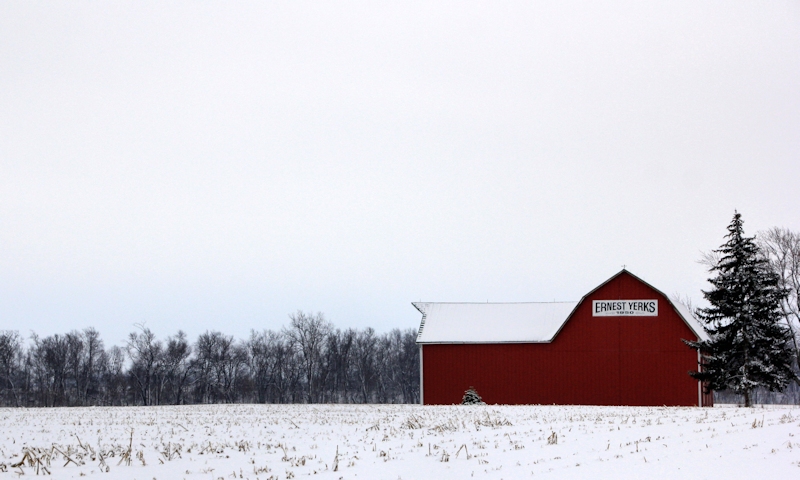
pixel 628 308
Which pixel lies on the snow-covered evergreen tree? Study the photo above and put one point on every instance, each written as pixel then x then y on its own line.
pixel 749 345
pixel 471 397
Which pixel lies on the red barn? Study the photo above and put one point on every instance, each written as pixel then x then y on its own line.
pixel 621 344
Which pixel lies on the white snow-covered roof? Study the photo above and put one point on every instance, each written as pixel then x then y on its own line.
pixel 492 322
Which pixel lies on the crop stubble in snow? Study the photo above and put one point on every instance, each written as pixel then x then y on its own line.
pixel 399 441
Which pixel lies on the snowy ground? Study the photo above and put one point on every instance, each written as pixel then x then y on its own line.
pixel 407 442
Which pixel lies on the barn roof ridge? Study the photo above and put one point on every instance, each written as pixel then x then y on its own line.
pixel 686 315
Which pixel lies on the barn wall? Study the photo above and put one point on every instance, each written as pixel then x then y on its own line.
pixel 592 361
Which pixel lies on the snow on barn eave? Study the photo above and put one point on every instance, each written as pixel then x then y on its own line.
pixel 692 322
pixel 522 322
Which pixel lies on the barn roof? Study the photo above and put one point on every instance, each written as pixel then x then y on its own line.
pixel 491 322
pixel 531 322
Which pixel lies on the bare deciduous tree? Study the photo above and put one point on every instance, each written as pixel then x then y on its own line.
pixel 145 354
pixel 364 360
pixel 91 365
pixel 308 333
pixel 177 366
pixel 115 378
pixel 339 358
pixel 10 356
pixel 781 247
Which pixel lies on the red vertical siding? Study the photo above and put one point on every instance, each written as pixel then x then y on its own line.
pixel 592 361
pixel 708 399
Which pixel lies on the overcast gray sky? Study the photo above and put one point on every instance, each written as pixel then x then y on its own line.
pixel 219 165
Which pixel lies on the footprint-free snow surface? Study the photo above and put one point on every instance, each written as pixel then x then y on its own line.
pixel 400 442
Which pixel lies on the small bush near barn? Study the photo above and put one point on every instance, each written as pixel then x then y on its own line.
pixel 471 397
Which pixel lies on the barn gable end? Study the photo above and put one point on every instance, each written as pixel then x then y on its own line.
pixel 581 358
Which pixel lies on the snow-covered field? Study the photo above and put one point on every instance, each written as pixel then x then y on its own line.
pixel 400 441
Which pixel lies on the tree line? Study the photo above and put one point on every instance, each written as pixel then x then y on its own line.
pixel 309 361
